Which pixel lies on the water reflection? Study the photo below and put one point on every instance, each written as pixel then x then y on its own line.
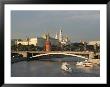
pixel 52 68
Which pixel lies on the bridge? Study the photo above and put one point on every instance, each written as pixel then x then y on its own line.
pixel 38 54
pixel 59 53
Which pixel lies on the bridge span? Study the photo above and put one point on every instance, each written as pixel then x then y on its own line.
pixel 83 54
pixel 61 53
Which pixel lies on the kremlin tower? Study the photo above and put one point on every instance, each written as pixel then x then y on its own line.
pixel 47 43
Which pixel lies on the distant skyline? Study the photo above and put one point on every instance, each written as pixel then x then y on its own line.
pixel 76 24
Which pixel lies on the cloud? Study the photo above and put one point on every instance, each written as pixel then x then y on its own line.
pixel 72 22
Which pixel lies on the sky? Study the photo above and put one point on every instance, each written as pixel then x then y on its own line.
pixel 76 24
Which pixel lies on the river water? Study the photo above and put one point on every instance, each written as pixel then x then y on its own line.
pixel 52 68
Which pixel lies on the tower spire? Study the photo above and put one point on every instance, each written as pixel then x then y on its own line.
pixel 56 36
pixel 60 36
pixel 47 37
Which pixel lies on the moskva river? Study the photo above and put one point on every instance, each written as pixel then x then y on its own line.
pixel 51 67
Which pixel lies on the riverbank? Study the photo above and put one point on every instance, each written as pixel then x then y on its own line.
pixel 94 61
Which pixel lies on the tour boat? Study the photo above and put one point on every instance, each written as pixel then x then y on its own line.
pixel 66 67
pixel 88 64
pixel 79 63
pixel 85 63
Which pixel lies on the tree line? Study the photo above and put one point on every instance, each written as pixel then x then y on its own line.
pixel 60 47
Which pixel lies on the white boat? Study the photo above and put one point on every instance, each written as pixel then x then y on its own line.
pixel 79 63
pixel 66 67
pixel 88 64
pixel 85 63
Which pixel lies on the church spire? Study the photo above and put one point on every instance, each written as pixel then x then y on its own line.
pixel 56 36
pixel 47 37
pixel 60 36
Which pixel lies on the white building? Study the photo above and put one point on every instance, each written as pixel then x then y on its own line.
pixel 32 41
pixel 62 39
pixel 94 42
pixel 24 42
pixel 39 41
